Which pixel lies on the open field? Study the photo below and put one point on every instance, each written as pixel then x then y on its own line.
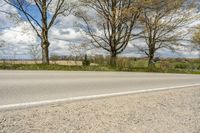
pixel 171 111
pixel 56 67
pixel 59 62
pixel 191 66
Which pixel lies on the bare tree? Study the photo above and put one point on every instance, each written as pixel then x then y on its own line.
pixel 109 24
pixel 196 39
pixel 48 11
pixel 78 51
pixel 6 18
pixel 163 22
pixel 11 14
pixel 34 52
pixel 1 45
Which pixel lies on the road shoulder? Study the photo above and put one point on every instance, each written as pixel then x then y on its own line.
pixel 166 111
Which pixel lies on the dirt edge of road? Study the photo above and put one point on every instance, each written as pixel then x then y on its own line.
pixel 169 111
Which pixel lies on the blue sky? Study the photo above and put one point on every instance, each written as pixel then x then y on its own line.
pixel 20 36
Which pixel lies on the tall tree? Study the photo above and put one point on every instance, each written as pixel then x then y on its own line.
pixel 110 23
pixel 163 22
pixel 196 39
pixel 47 12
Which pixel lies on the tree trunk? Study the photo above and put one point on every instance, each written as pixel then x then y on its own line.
pixel 45 52
pixel 199 55
pixel 151 62
pixel 113 59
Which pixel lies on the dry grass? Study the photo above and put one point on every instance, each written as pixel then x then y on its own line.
pixel 59 62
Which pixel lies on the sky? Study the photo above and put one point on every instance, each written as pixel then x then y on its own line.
pixel 20 37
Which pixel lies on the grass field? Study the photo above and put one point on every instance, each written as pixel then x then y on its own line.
pixel 59 62
pixel 190 66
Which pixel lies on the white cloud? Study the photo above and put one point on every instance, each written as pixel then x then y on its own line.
pixel 68 34
pixel 7 15
pixel 21 35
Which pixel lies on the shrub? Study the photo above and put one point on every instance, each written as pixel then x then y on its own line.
pixel 141 63
pixel 125 63
pixel 198 67
pixel 86 62
pixel 165 65
pixel 182 66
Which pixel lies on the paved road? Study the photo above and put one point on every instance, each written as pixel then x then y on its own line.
pixel 33 86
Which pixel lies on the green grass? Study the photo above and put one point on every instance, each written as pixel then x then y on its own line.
pixel 95 68
pixel 52 67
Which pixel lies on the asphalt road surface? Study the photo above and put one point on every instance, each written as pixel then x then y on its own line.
pixel 18 87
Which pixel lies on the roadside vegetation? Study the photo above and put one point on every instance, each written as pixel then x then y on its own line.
pixel 100 63
pixel 108 27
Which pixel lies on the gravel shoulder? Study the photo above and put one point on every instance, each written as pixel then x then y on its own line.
pixel 169 111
